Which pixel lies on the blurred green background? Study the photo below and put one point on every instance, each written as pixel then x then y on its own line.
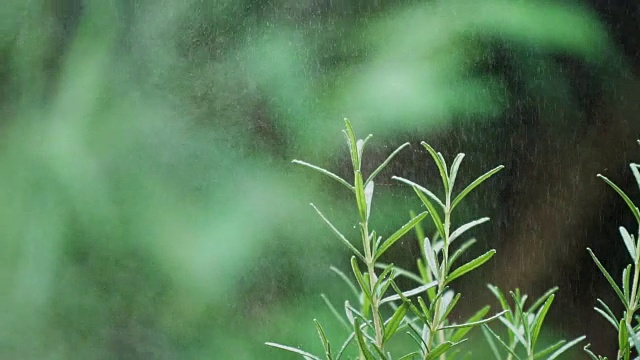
pixel 149 206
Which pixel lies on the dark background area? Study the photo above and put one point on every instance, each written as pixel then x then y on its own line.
pixel 150 209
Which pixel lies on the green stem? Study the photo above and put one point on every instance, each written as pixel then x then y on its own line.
pixel 435 323
pixel 375 298
pixel 633 301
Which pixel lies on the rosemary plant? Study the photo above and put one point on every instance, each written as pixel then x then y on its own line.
pixel 524 327
pixel 627 326
pixel 384 310
pixel 422 313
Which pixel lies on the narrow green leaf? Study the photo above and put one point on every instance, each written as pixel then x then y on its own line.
pixel 492 344
pixel 346 279
pixel 629 243
pixel 442 167
pixel 393 323
pixel 364 350
pixel 339 234
pixel 548 350
pixel 325 172
pixel 345 344
pixel 349 311
pixel 362 143
pixel 566 347
pixel 495 336
pixel 519 302
pixel 293 350
pixel 408 293
pixel 474 184
pixel 388 270
pixel 366 300
pixel 355 314
pixel 323 338
pixel 410 356
pixel 353 144
pixel 449 301
pixel 438 297
pixel 425 309
pixel 430 256
pixel 624 196
pixel 591 354
pixel 368 197
pixel 634 337
pixel 420 315
pixel 334 311
pixel 397 271
pixel 460 332
pixel 626 281
pixel 471 265
pixel 360 196
pixel 439 350
pixel 461 250
pixel 381 354
pixel 444 163
pixel 623 340
pixel 514 331
pixel 421 188
pixel 378 240
pixel 503 301
pixel 425 335
pixel 636 173
pixel 459 231
pixel 432 212
pixel 385 286
pixel 471 324
pixel 609 278
pixel 454 170
pixel 385 163
pixel 534 307
pixel 417 340
pixel 398 234
pixel 539 319
pixel 612 320
pixel 364 286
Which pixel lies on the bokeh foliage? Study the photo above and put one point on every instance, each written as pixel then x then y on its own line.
pixel 149 206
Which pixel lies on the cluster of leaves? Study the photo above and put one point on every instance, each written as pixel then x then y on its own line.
pixel 523 328
pixel 384 310
pixel 628 333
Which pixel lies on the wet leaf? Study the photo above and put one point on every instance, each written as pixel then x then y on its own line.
pixel 471 265
pixel 339 234
pixel 398 234
pixel 293 350
pixel 539 320
pixel 352 142
pixel 385 163
pixel 629 243
pixel 627 200
pixel 609 279
pixel 454 170
pixel 325 172
pixel 473 185
pixel 442 166
pixel 421 188
pixel 323 339
pixel 462 229
pixel 394 322
pixel 566 347
pixel 432 212
pixel 432 262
